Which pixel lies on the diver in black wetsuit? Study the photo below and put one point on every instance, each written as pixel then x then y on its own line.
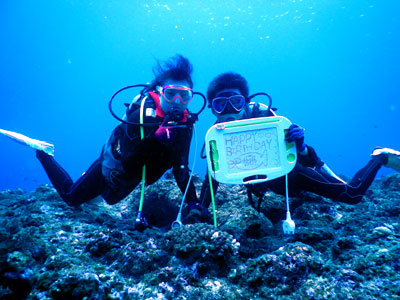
pixel 228 97
pixel 165 142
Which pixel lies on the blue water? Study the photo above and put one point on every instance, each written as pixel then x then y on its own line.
pixel 331 66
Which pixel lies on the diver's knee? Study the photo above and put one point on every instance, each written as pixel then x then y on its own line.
pixel 113 197
pixel 345 198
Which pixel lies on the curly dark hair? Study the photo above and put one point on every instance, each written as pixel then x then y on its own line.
pixel 228 80
pixel 177 68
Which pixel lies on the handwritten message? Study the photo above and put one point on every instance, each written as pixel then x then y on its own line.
pixel 251 150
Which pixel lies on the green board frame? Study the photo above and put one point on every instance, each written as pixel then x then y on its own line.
pixel 250 151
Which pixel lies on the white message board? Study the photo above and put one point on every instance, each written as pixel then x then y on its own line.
pixel 250 151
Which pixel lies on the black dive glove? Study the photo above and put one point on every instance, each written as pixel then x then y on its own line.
pixel 195 212
pixel 296 134
pixel 166 134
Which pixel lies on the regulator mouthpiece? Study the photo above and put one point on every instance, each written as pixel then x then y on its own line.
pixel 175 115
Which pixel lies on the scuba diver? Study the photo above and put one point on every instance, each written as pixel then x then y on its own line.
pixel 229 99
pixel 153 137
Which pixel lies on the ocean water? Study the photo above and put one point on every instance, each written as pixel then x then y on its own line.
pixel 331 66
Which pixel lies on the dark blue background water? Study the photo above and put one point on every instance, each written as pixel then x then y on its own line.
pixel 331 66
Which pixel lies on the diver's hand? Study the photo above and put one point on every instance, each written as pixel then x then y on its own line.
pixel 195 212
pixel 196 205
pixel 165 134
pixel 296 135
pixel 141 223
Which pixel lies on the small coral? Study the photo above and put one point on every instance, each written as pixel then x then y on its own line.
pixel 243 221
pixel 18 261
pixel 201 242
pixel 288 265
pixel 134 258
pixel 78 286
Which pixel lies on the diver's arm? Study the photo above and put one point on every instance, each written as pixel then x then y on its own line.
pixel 306 154
pixel 309 158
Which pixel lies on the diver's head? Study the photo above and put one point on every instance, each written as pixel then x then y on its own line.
pixel 174 83
pixel 175 95
pixel 227 96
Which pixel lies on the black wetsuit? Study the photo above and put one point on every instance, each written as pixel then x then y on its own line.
pixel 310 174
pixel 118 170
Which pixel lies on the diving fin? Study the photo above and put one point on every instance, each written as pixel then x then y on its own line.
pixel 393 157
pixel 27 141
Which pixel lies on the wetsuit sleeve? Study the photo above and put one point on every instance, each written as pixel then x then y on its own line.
pixel 311 159
pixel 205 195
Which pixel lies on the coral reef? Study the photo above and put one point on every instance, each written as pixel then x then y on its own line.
pixel 49 250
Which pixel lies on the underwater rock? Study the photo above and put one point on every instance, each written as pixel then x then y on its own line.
pixel 289 265
pixel 202 244
pixel 244 221
pixel 49 250
pixel 19 284
pixel 77 286
pixel 161 201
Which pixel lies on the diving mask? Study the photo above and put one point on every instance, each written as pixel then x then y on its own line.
pixel 171 93
pixel 237 102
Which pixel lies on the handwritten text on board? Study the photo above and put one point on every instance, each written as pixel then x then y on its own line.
pixel 252 149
